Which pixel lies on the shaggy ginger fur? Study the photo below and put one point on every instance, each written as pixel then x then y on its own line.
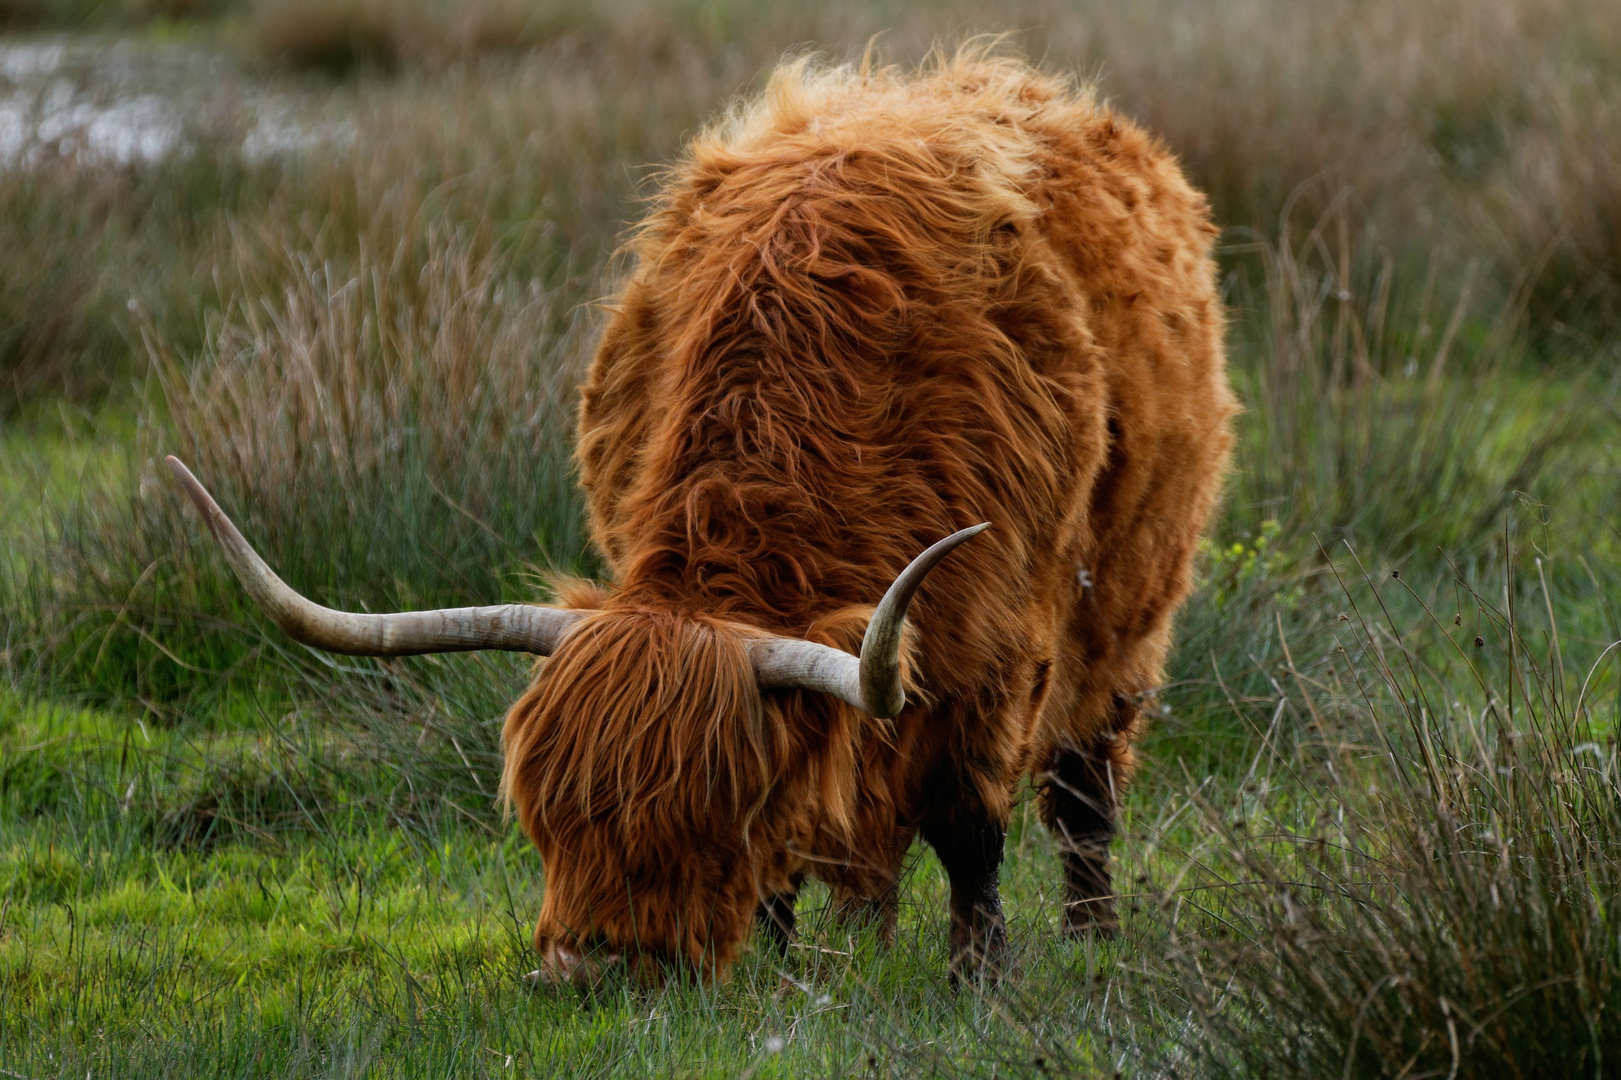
pixel 867 310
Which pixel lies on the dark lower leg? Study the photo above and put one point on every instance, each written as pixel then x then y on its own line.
pixel 775 917
pixel 1079 805
pixel 970 849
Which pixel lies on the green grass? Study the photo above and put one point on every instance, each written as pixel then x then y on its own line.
pixel 224 854
pixel 180 898
pixel 267 892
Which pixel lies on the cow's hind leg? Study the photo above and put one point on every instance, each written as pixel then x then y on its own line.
pixel 1079 800
pixel 968 841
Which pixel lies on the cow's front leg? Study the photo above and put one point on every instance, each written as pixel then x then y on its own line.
pixel 878 910
pixel 776 918
pixel 969 844
pixel 1081 792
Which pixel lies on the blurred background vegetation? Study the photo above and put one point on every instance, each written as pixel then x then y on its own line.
pixel 345 258
pixel 1467 143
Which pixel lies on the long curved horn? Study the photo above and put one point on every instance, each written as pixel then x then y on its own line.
pixel 871 682
pixel 514 627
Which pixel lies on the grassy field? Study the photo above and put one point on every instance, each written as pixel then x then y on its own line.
pixel 348 273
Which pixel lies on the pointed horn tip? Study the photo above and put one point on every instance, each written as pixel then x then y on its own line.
pixel 184 475
pixel 181 473
pixel 213 516
pixel 949 543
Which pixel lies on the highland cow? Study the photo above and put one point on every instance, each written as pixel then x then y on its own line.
pixel 867 310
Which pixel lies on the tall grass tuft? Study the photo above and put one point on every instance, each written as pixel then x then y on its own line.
pixel 1397 415
pixel 84 246
pixel 1432 896
pixel 393 437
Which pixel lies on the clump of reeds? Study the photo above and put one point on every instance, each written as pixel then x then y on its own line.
pixel 1434 896
pixel 383 435
pixel 1404 416
pixel 82 248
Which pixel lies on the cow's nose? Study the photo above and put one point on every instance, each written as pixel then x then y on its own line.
pixel 560 964
pixel 563 964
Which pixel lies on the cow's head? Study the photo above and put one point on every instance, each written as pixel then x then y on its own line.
pixel 656 777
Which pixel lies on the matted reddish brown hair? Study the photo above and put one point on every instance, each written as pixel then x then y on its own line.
pixel 869 308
